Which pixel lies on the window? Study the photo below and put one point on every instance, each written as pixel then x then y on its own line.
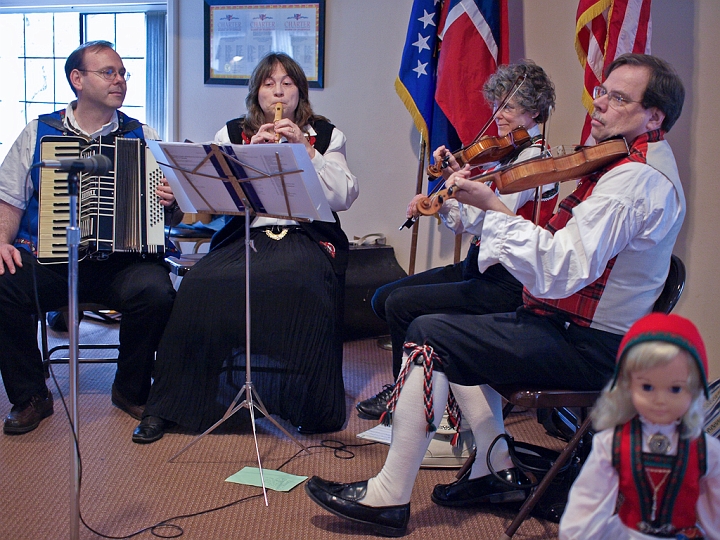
pixel 33 49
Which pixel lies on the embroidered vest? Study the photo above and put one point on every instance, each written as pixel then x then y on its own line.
pixel 580 306
pixel 53 124
pixel 658 493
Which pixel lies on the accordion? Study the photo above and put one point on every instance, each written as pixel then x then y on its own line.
pixel 119 212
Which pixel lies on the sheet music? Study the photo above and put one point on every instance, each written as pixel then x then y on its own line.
pixel 198 174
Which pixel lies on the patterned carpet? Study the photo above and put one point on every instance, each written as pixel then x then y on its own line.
pixel 128 488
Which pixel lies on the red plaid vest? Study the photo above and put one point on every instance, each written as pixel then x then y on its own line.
pixel 580 306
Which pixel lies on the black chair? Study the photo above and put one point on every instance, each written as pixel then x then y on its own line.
pixel 543 398
pixel 96 312
pixel 187 233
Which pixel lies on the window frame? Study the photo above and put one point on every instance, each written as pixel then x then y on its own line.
pixel 168 130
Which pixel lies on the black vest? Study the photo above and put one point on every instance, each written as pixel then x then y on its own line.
pixel 321 232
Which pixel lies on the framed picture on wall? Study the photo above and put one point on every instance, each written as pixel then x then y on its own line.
pixel 238 33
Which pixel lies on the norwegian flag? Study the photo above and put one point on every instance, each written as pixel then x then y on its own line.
pixel 474 41
pixel 451 49
pixel 604 30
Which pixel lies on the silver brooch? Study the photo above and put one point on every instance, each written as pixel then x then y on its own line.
pixel 659 444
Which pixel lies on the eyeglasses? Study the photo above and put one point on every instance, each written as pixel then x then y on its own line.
pixel 509 108
pixel 109 74
pixel 616 100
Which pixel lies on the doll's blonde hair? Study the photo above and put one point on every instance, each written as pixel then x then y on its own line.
pixel 615 407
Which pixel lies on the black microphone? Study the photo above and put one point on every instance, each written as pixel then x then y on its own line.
pixel 97 164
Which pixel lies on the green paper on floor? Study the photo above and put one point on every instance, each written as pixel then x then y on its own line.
pixel 275 480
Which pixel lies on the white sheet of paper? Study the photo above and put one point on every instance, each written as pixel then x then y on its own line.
pixel 204 190
pixel 380 433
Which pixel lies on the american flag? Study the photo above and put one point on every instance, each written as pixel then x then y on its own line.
pixel 451 48
pixel 604 30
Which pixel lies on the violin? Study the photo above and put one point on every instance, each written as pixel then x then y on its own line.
pixel 485 150
pixel 539 171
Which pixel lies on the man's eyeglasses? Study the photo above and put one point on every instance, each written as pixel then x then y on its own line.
pixel 616 100
pixel 108 74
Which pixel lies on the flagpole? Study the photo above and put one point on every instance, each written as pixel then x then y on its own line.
pixel 458 248
pixel 418 191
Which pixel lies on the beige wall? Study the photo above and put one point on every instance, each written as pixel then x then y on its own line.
pixel 363 45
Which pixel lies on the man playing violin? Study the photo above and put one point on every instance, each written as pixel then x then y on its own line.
pixel 462 288
pixel 595 268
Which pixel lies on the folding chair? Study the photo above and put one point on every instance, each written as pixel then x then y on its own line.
pixel 96 312
pixel 544 398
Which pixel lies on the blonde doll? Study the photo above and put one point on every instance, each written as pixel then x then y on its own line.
pixel 652 472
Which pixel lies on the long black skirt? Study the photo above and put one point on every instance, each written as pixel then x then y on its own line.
pixel 295 342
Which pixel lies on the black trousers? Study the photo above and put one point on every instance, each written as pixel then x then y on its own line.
pixel 454 289
pixel 137 287
pixel 518 348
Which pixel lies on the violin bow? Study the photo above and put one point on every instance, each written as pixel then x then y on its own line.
pixel 513 90
pixel 511 94
pixel 545 153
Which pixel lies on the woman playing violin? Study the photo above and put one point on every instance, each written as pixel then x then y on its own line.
pixel 461 288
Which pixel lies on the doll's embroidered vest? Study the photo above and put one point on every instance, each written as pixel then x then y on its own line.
pixel 658 493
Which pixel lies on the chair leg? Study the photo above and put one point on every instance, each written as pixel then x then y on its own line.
pixel 539 491
pixel 44 340
pixel 468 463
pixel 507 409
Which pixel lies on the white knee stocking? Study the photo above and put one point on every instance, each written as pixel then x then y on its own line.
pixel 481 408
pixel 410 440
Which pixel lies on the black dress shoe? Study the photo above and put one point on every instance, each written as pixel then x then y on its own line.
pixel 150 429
pixel 486 489
pixel 341 500
pixel 125 405
pixel 375 406
pixel 27 416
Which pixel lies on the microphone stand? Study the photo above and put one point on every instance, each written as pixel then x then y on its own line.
pixel 73 241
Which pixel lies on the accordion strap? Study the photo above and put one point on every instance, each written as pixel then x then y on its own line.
pixel 125 123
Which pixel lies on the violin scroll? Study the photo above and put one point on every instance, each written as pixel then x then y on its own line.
pixel 435 170
pixel 430 205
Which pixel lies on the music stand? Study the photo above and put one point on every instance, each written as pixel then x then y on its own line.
pixel 229 168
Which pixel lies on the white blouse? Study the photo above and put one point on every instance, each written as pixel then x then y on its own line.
pixel 339 185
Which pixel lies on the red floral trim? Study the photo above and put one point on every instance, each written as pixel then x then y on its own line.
pixel 329 248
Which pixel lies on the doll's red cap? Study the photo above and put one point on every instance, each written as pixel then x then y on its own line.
pixel 671 329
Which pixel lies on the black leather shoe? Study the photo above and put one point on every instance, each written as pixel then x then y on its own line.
pixel 375 406
pixel 28 415
pixel 122 403
pixel 486 489
pixel 342 500
pixel 150 429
